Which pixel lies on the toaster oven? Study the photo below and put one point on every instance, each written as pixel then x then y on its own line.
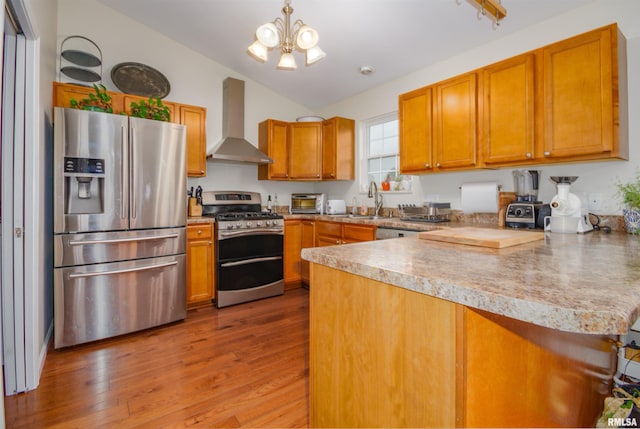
pixel 307 203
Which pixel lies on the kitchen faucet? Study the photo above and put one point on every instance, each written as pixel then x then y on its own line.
pixel 377 198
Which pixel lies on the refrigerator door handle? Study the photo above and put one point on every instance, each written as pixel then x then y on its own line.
pixel 134 182
pixel 123 173
pixel 123 271
pixel 121 240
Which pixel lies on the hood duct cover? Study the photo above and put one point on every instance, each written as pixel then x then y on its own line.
pixel 233 146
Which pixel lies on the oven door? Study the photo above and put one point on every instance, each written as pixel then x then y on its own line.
pixel 249 267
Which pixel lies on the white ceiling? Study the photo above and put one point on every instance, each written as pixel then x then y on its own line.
pixel 395 37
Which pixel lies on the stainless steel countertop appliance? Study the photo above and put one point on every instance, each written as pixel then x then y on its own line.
pixel 119 225
pixel 431 212
pixel 249 247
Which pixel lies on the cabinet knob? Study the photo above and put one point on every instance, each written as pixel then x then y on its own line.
pixel 333 175
pixel 427 166
pixel 210 243
pixel 528 154
pixel 337 241
pixel 547 153
pixel 317 175
pixel 199 231
pixel 201 171
pixel 438 164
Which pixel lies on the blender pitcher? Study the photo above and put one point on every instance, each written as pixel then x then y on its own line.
pixel 526 184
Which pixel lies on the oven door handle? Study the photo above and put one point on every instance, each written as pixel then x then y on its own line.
pixel 122 271
pixel 257 231
pixel 250 261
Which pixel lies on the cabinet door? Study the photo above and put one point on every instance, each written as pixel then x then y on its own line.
pixel 578 95
pixel 292 247
pixel 195 118
pixel 328 233
pixel 358 233
pixel 454 114
pixel 338 148
pixel 507 111
pixel 305 150
pixel 308 240
pixel 200 259
pixel 414 112
pixel 63 93
pixel 127 99
pixel 272 140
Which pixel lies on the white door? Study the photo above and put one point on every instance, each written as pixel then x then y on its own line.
pixel 13 209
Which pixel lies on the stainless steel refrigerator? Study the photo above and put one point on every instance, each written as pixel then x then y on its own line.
pixel 119 225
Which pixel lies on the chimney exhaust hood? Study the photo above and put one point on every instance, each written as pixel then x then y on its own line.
pixel 233 147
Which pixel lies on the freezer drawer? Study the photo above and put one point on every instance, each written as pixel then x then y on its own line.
pixel 102 247
pixel 104 300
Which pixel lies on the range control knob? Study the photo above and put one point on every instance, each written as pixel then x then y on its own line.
pixel 248 224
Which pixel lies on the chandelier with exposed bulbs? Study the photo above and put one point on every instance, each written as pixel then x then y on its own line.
pixel 280 33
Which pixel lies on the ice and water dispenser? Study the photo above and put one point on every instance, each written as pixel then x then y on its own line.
pixel 84 185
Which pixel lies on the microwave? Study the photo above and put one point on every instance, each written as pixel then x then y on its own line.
pixel 307 203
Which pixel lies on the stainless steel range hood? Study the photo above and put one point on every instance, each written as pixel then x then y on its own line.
pixel 233 147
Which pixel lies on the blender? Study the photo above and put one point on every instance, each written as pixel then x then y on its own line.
pixel 523 212
pixel 566 204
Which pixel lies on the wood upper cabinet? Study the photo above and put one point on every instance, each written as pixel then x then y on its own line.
pixel 200 264
pixel 195 118
pixel 338 149
pixel 415 123
pixel 455 123
pixel 305 150
pixel 272 140
pixel 127 99
pixel 584 91
pixel 506 111
pixel 63 93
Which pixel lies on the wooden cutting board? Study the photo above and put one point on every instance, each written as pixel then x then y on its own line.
pixel 484 237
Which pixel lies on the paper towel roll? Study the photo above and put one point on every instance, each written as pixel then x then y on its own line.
pixel 479 197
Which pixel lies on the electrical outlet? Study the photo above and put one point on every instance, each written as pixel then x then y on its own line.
pixel 596 202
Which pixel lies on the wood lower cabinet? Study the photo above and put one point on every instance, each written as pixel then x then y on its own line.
pixel 507 112
pixel 194 117
pixel 385 356
pixel 200 264
pixel 584 97
pixel 330 233
pixel 292 248
pixel 308 240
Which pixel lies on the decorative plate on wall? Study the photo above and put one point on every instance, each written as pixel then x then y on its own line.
pixel 140 79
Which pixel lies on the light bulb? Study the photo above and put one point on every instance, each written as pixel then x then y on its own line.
pixel 287 62
pixel 258 50
pixel 315 54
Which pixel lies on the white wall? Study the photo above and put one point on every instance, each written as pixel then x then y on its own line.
pixel 194 80
pixel 598 177
pixel 197 80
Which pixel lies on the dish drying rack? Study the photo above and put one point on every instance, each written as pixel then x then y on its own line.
pixel 429 212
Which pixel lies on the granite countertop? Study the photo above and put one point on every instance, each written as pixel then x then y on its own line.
pixel 580 283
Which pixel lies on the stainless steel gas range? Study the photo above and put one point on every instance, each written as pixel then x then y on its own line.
pixel 249 247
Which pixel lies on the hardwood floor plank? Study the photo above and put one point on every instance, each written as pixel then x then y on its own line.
pixel 240 366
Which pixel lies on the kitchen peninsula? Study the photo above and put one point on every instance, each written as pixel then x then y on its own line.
pixel 413 333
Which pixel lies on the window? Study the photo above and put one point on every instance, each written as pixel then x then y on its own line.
pixel 381 155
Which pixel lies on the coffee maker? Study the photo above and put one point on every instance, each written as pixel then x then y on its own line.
pixel 566 204
pixel 523 212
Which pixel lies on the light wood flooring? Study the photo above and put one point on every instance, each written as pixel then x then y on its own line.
pixel 240 366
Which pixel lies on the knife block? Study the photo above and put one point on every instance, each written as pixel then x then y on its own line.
pixel 195 209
